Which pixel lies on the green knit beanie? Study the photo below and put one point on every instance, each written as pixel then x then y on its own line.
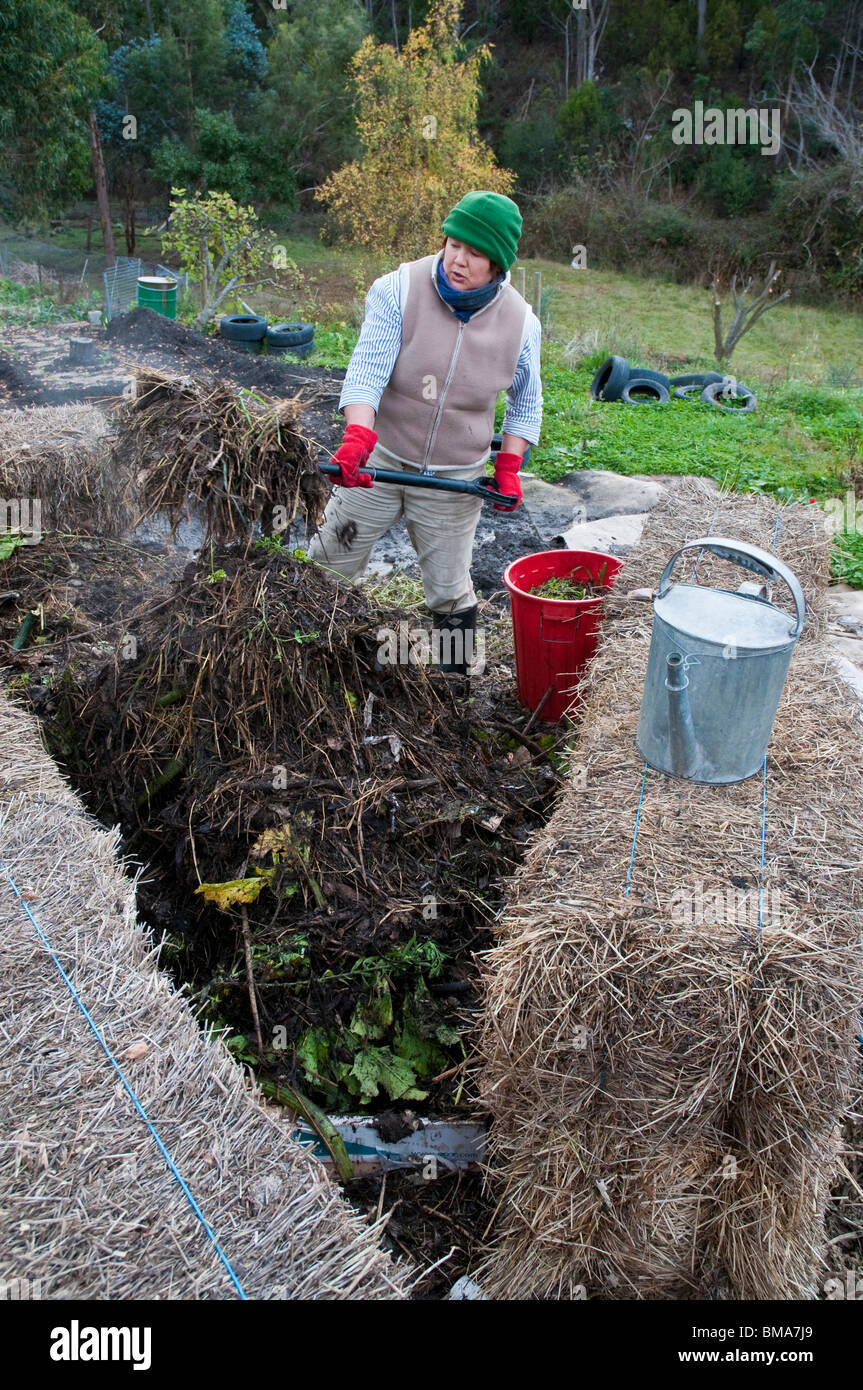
pixel 488 222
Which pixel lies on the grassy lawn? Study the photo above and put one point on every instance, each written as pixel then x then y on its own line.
pixel 802 439
pixel 650 320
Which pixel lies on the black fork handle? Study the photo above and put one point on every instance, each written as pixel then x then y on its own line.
pixel 487 491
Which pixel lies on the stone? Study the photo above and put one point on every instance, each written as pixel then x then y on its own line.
pixel 616 535
pixel 603 494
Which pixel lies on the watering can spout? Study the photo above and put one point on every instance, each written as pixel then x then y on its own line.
pixel 683 744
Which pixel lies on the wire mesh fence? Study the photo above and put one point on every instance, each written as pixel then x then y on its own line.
pixel 31 260
pixel 121 282
pixel 67 273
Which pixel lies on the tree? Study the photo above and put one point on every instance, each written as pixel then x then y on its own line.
pixel 746 313
pixel 51 69
pixel 220 246
pixel 219 157
pixel 417 125
pixel 138 113
pixel 308 121
pixel 101 188
pixel 592 19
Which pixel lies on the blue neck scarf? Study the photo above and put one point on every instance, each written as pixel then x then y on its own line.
pixel 465 302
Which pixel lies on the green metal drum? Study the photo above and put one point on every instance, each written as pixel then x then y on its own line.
pixel 158 292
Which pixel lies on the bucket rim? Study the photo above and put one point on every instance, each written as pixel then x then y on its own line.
pixel 514 588
pixel 154 281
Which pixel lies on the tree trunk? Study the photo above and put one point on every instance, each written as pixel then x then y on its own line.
pixel 395 24
pixel 129 205
pixel 566 54
pixel 701 49
pixel 101 189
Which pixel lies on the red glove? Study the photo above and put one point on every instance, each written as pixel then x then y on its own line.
pixel 506 478
pixel 352 453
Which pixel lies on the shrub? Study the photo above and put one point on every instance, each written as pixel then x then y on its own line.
pixel 530 148
pixel 662 223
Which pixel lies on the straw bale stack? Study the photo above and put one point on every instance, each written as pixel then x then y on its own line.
pixel 61 455
pixel 91 1209
pixel 668 1089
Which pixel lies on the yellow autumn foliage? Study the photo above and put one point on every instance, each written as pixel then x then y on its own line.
pixel 416 118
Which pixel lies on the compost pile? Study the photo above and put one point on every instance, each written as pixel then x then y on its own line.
pixel 143 337
pixel 347 816
pixel 323 827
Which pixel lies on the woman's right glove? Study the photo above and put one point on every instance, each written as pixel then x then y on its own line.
pixel 352 453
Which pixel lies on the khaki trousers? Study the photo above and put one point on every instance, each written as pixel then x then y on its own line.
pixel 441 526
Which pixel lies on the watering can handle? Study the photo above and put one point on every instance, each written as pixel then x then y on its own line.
pixel 751 558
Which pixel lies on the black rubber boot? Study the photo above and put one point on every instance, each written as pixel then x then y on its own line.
pixel 452 653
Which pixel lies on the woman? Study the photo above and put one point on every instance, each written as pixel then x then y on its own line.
pixel 442 336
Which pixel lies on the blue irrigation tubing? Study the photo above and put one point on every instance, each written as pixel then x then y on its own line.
pixel 135 1101
pixel 764 803
pixel 635 831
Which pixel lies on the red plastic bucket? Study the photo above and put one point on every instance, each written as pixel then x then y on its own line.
pixel 555 638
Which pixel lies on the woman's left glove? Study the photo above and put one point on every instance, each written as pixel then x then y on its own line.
pixel 506 478
pixel 352 453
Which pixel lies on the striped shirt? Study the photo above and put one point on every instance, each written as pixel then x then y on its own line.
pixel 380 341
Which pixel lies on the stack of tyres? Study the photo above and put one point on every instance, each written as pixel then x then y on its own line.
pixel 245 332
pixel 295 339
pixel 616 380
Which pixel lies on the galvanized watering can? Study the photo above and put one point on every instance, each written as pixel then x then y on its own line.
pixel 718 662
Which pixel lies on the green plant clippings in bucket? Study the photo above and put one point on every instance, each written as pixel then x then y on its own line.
pixel 565 588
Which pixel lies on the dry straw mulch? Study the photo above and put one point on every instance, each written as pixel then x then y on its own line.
pixel 668 1098
pixel 90 1208
pixel 62 456
pixel 235 453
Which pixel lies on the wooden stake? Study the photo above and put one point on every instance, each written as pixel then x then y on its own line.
pixel 537 291
pixel 250 980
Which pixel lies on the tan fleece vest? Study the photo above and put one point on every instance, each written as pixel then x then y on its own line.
pixel 437 409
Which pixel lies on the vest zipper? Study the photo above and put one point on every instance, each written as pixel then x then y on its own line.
pixel 434 429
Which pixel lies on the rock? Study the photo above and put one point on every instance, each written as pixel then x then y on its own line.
pixel 616 534
pixel 551 505
pixel 852 673
pixel 611 494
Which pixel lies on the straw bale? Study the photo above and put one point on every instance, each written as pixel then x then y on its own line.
pixel 91 1209
pixel 668 1095
pixel 61 455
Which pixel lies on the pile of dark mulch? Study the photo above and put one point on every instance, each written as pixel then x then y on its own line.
pixel 359 818
pixel 164 341
pixel 84 591
pixel 439 1225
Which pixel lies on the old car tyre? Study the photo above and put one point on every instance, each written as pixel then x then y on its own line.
pixel 712 394
pixel 610 380
pixel 640 390
pixel 242 328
